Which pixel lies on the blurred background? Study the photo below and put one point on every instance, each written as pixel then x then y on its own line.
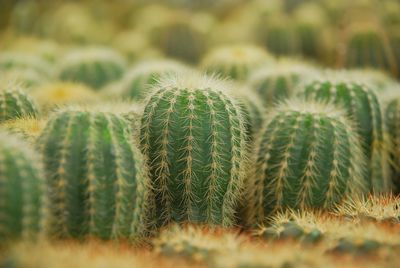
pixel 335 34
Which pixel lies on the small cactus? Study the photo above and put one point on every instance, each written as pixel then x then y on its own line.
pixel 15 103
pixel 194 138
pixel 21 190
pixel 235 62
pixel 308 156
pixel 94 67
pixel 362 106
pixel 97 181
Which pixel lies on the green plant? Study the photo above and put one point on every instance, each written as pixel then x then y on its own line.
pixel 21 190
pixel 14 102
pixel 308 156
pixel 97 180
pixel 194 139
pixel 28 128
pixel 94 67
pixel 22 61
pixel 235 61
pixel 362 106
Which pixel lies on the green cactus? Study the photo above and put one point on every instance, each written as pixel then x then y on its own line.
pixel 15 103
pixel 23 61
pixel 275 84
pixel 392 121
pixel 138 80
pixel 21 190
pixel 361 104
pixel 94 67
pixel 194 138
pixel 308 156
pixel 97 181
pixel 235 62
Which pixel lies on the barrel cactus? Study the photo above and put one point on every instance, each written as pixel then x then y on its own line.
pixel 96 177
pixel 138 80
pixel 23 61
pixel 235 62
pixel 194 138
pixel 392 120
pixel 308 156
pixel 21 190
pixel 361 104
pixel 94 67
pixel 15 103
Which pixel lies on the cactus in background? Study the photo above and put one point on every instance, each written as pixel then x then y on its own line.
pixel 94 67
pixel 309 156
pixel 392 121
pixel 22 61
pixel 362 106
pixel 54 95
pixel 275 84
pixel 97 181
pixel 21 190
pixel 28 128
pixel 15 103
pixel 194 139
pixel 138 80
pixel 368 46
pixel 235 62
pixel 27 77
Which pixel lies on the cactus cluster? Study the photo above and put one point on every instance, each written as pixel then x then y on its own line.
pixel 21 190
pixel 309 155
pixel 193 137
pixel 97 181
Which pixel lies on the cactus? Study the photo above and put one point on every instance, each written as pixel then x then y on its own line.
pixel 235 62
pixel 361 104
pixel 15 103
pixel 193 137
pixel 308 156
pixel 275 84
pixel 97 181
pixel 21 190
pixel 94 67
pixel 23 61
pixel 28 128
pixel 28 77
pixel 136 82
pixel 54 95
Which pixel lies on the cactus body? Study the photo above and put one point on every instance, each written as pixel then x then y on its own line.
pixel 94 67
pixel 21 190
pixel 28 128
pixel 96 178
pixel 15 103
pixel 392 120
pixel 193 136
pixel 362 106
pixel 235 62
pixel 136 82
pixel 308 156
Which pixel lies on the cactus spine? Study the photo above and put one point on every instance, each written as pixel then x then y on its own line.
pixel 21 190
pixel 308 156
pixel 15 103
pixel 96 178
pixel 193 136
pixel 361 104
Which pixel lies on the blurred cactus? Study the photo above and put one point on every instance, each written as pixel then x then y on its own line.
pixel 21 190
pixel 55 95
pixel 194 138
pixel 23 61
pixel 97 180
pixel 27 77
pixel 94 67
pixel 392 120
pixel 363 107
pixel 14 102
pixel 236 61
pixel 28 128
pixel 309 156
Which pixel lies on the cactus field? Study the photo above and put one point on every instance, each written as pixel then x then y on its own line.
pixel 199 133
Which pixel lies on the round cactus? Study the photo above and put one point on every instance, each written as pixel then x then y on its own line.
pixel 21 190
pixel 138 80
pixel 22 61
pixel 15 103
pixel 308 156
pixel 94 67
pixel 235 62
pixel 194 138
pixel 276 84
pixel 362 106
pixel 28 77
pixel 97 181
